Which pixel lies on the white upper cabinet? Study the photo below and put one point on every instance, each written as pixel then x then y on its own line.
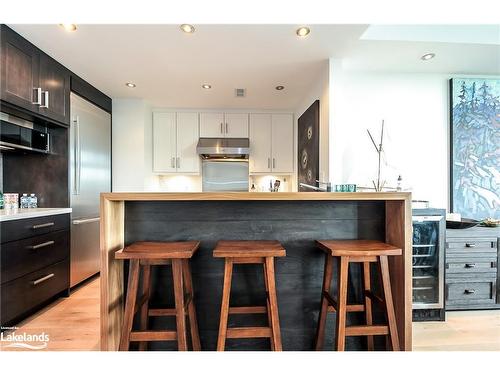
pixel 220 125
pixel 236 125
pixel 164 142
pixel 212 125
pixel 188 160
pixel 260 143
pixel 282 143
pixel 175 136
pixel 271 143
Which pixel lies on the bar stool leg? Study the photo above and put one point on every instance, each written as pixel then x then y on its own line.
pixel 269 320
pixel 193 322
pixel 391 316
pixel 224 310
pixel 342 303
pixel 128 318
pixel 146 289
pixel 323 312
pixel 273 304
pixel 368 301
pixel 180 314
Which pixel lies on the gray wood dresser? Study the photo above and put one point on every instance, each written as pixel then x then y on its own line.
pixel 471 271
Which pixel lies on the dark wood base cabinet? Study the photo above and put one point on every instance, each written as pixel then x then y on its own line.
pixel 34 262
pixel 472 276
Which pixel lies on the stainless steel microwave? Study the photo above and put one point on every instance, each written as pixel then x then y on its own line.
pixel 19 134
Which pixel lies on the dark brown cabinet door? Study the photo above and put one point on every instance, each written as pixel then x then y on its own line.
pixel 55 84
pixel 19 71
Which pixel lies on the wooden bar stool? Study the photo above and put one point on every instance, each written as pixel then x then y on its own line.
pixel 366 252
pixel 250 252
pixel 145 255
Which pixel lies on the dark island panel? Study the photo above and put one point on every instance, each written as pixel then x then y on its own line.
pixel 296 224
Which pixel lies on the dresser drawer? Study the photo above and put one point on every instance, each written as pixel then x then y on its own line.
pixel 470 293
pixel 26 292
pixel 14 230
pixel 18 258
pixel 460 246
pixel 466 264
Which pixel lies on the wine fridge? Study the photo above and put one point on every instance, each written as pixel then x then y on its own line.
pixel 428 263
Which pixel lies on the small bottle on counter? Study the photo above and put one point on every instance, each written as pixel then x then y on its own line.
pixel 24 201
pixel 252 189
pixel 33 201
pixel 399 185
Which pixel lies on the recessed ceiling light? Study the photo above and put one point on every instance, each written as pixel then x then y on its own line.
pixel 428 56
pixel 130 84
pixel 279 88
pixel 205 86
pixel 189 29
pixel 303 31
pixel 68 26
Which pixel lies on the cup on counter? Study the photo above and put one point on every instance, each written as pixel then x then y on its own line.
pixel 345 188
pixel 11 201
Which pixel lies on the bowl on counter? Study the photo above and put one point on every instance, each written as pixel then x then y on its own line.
pixel 463 224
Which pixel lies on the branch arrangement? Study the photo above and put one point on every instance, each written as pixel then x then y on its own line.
pixel 378 185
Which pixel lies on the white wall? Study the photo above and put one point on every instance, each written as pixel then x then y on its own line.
pixel 319 91
pixel 415 110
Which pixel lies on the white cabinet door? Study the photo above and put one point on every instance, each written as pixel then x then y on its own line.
pixel 212 125
pixel 164 142
pixel 260 143
pixel 236 125
pixel 282 143
pixel 187 160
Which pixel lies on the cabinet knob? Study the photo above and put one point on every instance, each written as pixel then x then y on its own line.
pixel 470 265
pixel 469 291
pixel 470 245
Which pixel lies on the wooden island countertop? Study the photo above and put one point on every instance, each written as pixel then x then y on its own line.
pixel 396 225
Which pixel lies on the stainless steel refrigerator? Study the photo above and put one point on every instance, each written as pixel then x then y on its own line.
pixel 90 174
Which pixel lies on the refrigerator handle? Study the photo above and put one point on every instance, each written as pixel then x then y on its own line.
pixel 77 157
pixel 85 221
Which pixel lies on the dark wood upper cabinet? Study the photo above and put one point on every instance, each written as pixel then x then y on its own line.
pixel 20 71
pixel 55 84
pixel 32 80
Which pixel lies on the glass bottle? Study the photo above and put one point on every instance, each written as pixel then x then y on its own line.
pixel 33 201
pixel 24 201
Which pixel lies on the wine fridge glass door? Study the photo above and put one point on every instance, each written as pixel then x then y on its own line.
pixel 427 261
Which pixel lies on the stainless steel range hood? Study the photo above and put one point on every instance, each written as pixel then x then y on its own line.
pixel 223 148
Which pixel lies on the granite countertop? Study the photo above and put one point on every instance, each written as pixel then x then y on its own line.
pixel 26 213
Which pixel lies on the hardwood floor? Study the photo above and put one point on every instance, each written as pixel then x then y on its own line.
pixel 73 324
pixel 463 330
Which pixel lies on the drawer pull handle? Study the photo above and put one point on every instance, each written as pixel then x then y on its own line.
pixel 470 265
pixel 42 279
pixel 45 225
pixel 470 245
pixel 40 245
pixel 469 291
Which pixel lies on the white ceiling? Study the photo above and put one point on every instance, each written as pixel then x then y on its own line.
pixel 169 66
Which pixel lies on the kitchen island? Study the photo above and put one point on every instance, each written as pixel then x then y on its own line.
pixel 294 219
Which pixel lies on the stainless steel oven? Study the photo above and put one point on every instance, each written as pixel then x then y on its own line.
pixel 428 258
pixel 19 134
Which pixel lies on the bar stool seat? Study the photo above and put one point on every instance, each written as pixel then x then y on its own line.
pixel 366 252
pixel 145 255
pixel 245 249
pixel 250 252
